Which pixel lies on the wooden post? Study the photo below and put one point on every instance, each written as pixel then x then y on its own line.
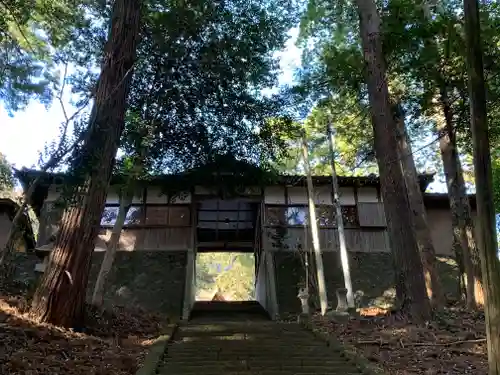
pixel 190 278
pixel 269 264
pixel 323 299
pixel 344 258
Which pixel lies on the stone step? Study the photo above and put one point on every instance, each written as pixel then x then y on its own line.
pixel 259 363
pixel 257 372
pixel 248 340
pixel 251 348
pixel 291 350
pixel 241 330
pixel 243 355
pixel 203 369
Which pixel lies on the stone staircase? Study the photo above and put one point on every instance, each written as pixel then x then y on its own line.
pixel 217 341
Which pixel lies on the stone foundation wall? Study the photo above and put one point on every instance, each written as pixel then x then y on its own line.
pixel 153 280
pixel 372 276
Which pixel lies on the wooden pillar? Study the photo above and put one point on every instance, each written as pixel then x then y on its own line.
pixel 270 270
pixel 189 289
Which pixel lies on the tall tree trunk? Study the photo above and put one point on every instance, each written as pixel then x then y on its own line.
pixel 471 239
pixel 451 163
pixel 409 271
pixel 112 247
pixel 60 297
pixel 463 240
pixel 484 186
pixel 419 215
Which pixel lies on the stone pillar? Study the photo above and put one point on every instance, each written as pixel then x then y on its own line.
pixel 342 305
pixel 303 296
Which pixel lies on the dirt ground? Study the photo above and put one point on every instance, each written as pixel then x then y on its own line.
pixel 114 342
pixel 453 343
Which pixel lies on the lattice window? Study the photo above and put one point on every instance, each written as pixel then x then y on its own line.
pixel 110 214
pixel 350 216
pixel 275 216
pixel 299 216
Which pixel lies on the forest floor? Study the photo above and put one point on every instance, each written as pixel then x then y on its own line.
pixel 453 343
pixel 114 343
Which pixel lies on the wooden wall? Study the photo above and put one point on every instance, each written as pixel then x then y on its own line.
pixel 286 213
pixel 157 225
pixel 165 223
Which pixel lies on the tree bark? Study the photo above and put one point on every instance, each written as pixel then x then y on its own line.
pixel 463 231
pixel 112 247
pixel 452 168
pixel 484 186
pixel 60 297
pixel 419 215
pixel 409 271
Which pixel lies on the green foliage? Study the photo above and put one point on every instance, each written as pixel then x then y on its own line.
pixel 195 91
pixel 6 174
pixel 200 69
pixel 233 274
pixel 34 36
pixel 424 49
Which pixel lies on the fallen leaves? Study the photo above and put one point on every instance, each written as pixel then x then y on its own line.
pixel 114 342
pixel 453 343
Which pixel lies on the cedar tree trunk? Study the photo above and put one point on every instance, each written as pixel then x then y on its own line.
pixel 409 271
pixel 463 228
pixel 60 297
pixel 484 186
pixel 419 215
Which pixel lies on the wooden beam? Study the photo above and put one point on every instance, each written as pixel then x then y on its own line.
pixel 270 270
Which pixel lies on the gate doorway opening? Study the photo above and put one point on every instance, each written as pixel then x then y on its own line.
pixel 225 276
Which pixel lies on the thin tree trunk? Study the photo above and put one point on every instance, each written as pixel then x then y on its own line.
pixel 344 256
pixel 484 186
pixel 459 205
pixel 112 247
pixel 126 198
pixel 313 225
pixel 470 238
pixel 409 271
pixel 60 297
pixel 419 216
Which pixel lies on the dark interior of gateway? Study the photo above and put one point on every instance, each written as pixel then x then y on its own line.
pixel 225 236
pixel 226 224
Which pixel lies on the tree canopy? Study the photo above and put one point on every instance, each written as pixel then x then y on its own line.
pixel 6 174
